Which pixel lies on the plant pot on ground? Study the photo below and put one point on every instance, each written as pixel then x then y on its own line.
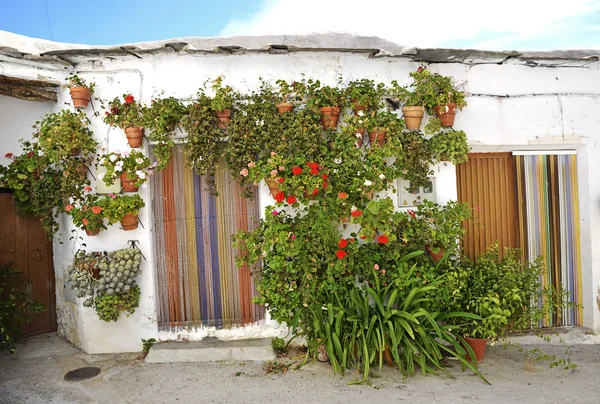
pixel 478 346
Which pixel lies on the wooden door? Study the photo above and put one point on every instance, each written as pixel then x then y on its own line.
pixel 24 243
pixel 487 182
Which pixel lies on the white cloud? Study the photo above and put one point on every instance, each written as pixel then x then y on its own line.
pixel 480 23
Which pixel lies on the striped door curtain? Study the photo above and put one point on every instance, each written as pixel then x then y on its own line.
pixel 198 282
pixel 549 222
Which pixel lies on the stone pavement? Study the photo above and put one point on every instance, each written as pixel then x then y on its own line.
pixel 35 375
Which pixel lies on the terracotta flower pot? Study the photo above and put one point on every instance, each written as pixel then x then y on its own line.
pixel 81 96
pixel 127 184
pixel 90 233
pixel 273 186
pixel 75 151
pixel 129 222
pixel 330 117
pixel 358 107
pixel 478 347
pixel 370 194
pixel 379 136
pixel 436 256
pixel 413 117
pixel 446 114
pixel 223 118
pixel 309 195
pixel 134 137
pixel 284 107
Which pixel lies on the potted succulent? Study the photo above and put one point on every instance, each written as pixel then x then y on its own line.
pixel 450 145
pixel 65 134
pixel 289 94
pixel 364 94
pixel 327 100
pixel 161 118
pixel 124 209
pixel 128 115
pixel 133 168
pixel 222 102
pixel 81 92
pixel 88 214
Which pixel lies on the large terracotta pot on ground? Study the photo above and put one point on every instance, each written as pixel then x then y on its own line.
pixel 134 137
pixel 446 114
pixel 129 222
pixel 127 184
pixel 478 347
pixel 223 118
pixel 413 117
pixel 330 117
pixel 81 96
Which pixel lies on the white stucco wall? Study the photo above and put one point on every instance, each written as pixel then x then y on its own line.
pixel 511 107
pixel 16 120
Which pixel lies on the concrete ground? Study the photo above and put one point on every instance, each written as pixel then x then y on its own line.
pixel 35 375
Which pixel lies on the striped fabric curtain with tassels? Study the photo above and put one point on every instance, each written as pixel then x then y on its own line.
pixel 549 223
pixel 198 282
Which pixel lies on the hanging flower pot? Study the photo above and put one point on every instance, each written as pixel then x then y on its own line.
pixel 413 117
pixel 134 137
pixel 91 233
pixel 478 347
pixel 81 169
pixel 446 114
pixel 284 107
pixel 75 151
pixel 127 184
pixel 358 107
pixel 129 222
pixel 330 117
pixel 436 256
pixel 273 186
pixel 379 136
pixel 223 118
pixel 370 194
pixel 80 96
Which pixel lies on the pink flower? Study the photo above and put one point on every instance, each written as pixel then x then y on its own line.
pixel 273 154
pixel 244 172
pixel 87 188
pixel 273 173
pixel 275 213
pixel 293 237
pixel 112 195
pixel 69 208
pixel 251 164
pixel 478 208
pixel 281 168
pixel 376 267
pixel 383 272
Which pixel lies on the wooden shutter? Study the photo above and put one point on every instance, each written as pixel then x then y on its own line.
pixel 487 183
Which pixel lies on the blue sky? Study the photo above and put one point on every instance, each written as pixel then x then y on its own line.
pixel 510 24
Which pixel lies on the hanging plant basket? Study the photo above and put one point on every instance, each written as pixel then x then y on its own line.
pixel 223 118
pixel 378 136
pixel 413 117
pixel 127 184
pixel 80 96
pixel 285 107
pixel 134 137
pixel 478 346
pixel 129 222
pixel 90 233
pixel 436 256
pixel 446 114
pixel 273 186
pixel 330 117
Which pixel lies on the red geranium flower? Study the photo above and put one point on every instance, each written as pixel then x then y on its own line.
pixel 352 240
pixel 313 166
pixel 315 191
pixel 296 170
pixel 8 155
pixel 342 195
pixel 341 254
pixel 280 180
pixel 412 213
pixel 343 243
pixel 85 221
pixel 128 99
pixel 324 176
pixel 280 197
pixel 291 199
pixel 383 239
pixel 325 185
pixel 96 209
pixel 357 213
pixel 69 208
pixel 363 237
pixel 30 154
pixel 87 188
pixel 314 171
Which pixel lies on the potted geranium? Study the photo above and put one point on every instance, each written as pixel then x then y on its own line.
pixel 162 118
pixel 128 115
pixel 222 102
pixel 327 100
pixel 448 99
pixel 379 124
pixel 124 209
pixel 132 167
pixel 65 134
pixel 88 214
pixel 450 145
pixel 81 92
pixel 289 94
pixel 364 94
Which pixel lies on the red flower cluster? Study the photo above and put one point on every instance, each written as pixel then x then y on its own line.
pixel 280 197
pixel 314 168
pixel 291 199
pixel 383 239
pixel 8 155
pixel 341 254
pixel 411 213
pixel 280 180
pixel 342 195
pixel 296 170
pixel 128 99
pixel 315 191
pixel 357 213
pixel 30 154
pixel 96 209
pixel 343 243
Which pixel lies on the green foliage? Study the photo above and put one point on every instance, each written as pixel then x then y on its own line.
pixel 325 96
pixel 147 344
pixel 16 307
pixel 279 345
pixel 450 145
pixel 366 93
pixel 88 213
pixel 124 114
pixel 291 92
pixel 225 96
pixel 107 281
pixel 134 163
pixel 76 81
pixel 445 227
pixel 60 134
pixel 117 206
pixel 162 118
